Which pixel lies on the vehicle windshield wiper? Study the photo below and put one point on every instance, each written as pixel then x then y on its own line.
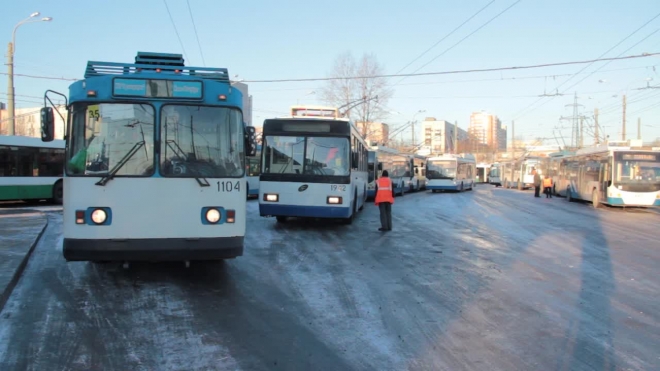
pixel 111 174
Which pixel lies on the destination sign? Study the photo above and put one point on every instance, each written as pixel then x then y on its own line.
pixel 639 156
pixel 148 88
pixel 310 128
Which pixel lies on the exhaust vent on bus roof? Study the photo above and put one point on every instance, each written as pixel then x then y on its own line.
pixel 161 59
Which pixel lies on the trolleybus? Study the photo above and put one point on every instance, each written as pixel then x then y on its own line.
pixel 612 175
pixel 451 172
pixel 155 162
pixel 30 169
pixel 314 164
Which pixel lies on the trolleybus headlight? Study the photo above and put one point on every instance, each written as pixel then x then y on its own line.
pixel 333 200
pixel 80 216
pixel 99 216
pixel 271 197
pixel 212 216
pixel 231 216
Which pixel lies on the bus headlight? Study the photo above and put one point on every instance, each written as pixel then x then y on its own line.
pixel 333 200
pixel 213 216
pixel 270 197
pixel 99 216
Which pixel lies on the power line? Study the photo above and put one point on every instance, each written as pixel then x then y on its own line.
pixel 41 77
pixel 175 29
pixel 196 35
pixel 453 72
pixel 446 36
pixel 470 34
pixel 517 116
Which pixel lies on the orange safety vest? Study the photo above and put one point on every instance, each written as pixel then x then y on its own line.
pixel 547 182
pixel 384 193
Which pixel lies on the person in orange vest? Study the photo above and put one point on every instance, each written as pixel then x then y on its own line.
pixel 547 186
pixel 384 201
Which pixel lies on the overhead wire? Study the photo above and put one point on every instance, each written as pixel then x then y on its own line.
pixel 196 34
pixel 175 29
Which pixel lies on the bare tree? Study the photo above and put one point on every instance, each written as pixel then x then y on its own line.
pixel 355 83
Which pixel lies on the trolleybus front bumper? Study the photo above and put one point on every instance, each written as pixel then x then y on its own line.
pixel 153 249
pixel 305 211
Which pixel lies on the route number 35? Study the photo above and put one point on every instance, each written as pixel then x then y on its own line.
pixel 229 186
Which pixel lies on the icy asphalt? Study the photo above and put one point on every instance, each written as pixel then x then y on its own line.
pixel 486 280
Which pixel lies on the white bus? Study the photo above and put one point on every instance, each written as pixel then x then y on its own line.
pixel 399 168
pixel 314 164
pixel 31 170
pixel 494 174
pixel 155 162
pixel 418 180
pixel 482 172
pixel 253 171
pixel 519 173
pixel 616 176
pixel 451 172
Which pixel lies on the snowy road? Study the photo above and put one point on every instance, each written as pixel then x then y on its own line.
pixel 487 280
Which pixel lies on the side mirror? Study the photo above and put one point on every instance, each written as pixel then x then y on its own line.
pixel 47 124
pixel 380 166
pixel 250 141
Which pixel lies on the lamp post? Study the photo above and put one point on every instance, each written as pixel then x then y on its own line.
pixel 10 69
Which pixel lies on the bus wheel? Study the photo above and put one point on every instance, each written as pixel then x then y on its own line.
pixel 58 193
pixel 280 219
pixel 595 199
pixel 569 197
pixel 351 218
pixel 247 191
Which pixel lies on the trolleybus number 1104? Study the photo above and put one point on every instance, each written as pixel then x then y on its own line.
pixel 229 186
pixel 335 187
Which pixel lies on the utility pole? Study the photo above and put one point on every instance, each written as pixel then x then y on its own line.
pixel 623 130
pixel 413 134
pixel 639 128
pixel 10 90
pixel 455 137
pixel 596 139
pixel 513 139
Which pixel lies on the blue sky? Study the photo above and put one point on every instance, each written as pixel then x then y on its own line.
pixel 295 39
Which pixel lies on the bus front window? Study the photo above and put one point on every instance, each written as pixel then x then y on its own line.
pixel 641 171
pixel 441 170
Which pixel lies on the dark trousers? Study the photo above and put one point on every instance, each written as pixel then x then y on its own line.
pixel 385 215
pixel 548 192
pixel 537 190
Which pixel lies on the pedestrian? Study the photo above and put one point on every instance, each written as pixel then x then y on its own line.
pixel 384 201
pixel 537 183
pixel 547 186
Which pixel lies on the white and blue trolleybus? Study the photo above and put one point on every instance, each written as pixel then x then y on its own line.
pixel 154 162
pixel 314 164
pixel 451 172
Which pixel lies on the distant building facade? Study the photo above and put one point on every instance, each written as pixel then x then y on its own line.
pixel 439 136
pixel 487 129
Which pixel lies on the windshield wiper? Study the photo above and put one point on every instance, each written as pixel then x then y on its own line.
pixel 111 174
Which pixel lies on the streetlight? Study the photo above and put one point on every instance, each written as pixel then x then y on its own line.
pixel 10 66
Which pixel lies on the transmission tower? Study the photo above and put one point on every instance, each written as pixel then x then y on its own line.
pixel 577 124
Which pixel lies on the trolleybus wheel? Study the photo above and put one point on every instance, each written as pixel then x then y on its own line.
pixel 569 197
pixel 351 218
pixel 58 193
pixel 595 199
pixel 280 219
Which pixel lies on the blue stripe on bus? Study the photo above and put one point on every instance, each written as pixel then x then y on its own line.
pixel 254 192
pixel 615 201
pixel 657 203
pixel 305 211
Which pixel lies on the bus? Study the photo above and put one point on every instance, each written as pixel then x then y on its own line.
pixel 494 174
pixel 518 173
pixel 31 170
pixel 396 164
pixel 314 164
pixel 418 179
pixel 253 171
pixel 155 157
pixel 611 175
pixel 451 172
pixel 482 172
